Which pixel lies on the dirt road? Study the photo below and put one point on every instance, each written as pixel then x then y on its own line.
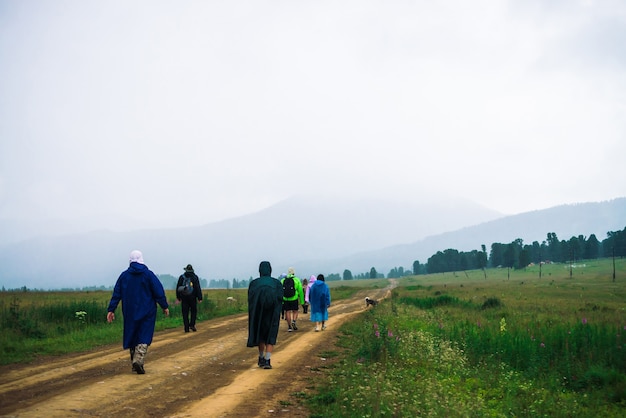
pixel 209 373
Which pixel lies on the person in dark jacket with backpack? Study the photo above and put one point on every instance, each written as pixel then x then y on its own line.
pixel 189 293
pixel 265 300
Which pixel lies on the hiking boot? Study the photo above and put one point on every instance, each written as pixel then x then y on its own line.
pixel 289 329
pixel 293 326
pixel 267 364
pixel 323 327
pixel 261 361
pixel 316 329
pixel 138 368
pixel 193 328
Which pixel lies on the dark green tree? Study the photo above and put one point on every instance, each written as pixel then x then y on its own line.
pixel 436 263
pixel 509 255
pixel 347 275
pixel 592 247
pixel 496 257
pixel 574 247
pixel 524 259
pixel 373 273
pixel 554 248
pixel 416 267
pixel 482 260
pixel 535 252
pixel 614 243
pixel 452 259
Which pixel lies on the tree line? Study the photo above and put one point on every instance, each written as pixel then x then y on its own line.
pixel 515 254
pixel 518 255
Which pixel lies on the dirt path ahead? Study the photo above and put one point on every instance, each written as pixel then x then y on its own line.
pixel 209 373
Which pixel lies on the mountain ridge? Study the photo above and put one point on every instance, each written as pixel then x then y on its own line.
pixel 565 220
pixel 313 235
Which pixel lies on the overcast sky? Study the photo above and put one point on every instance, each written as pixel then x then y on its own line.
pixel 185 112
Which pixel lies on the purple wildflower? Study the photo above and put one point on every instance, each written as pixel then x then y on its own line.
pixel 584 321
pixel 377 334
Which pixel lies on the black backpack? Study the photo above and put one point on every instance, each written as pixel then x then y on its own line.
pixel 186 289
pixel 289 287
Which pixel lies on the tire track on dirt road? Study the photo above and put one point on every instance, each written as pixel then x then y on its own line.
pixel 209 373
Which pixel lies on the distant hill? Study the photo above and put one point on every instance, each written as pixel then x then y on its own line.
pixel 295 229
pixel 312 235
pixel 565 221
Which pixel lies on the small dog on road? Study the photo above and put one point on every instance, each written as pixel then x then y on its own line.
pixel 371 302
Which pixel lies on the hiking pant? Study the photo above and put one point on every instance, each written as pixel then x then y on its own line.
pixel 138 353
pixel 189 306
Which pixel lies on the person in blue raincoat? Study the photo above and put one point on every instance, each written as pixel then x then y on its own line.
pixel 319 298
pixel 140 291
pixel 265 301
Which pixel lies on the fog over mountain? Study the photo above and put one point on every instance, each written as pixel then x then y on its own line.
pixel 314 235
pixel 565 221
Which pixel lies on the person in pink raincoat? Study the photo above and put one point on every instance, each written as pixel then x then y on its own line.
pixel 312 280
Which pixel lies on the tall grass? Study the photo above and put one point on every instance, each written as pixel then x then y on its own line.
pixel 511 345
pixel 50 323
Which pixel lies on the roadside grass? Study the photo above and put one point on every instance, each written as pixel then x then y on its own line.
pixel 52 323
pixel 462 345
pixel 454 344
pixel 36 324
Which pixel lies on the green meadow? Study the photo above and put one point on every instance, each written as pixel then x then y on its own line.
pixel 462 345
pixel 36 324
pixel 50 323
pixel 494 343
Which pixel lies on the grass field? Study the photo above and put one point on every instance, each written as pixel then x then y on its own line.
pixel 461 345
pixel 52 323
pixel 453 344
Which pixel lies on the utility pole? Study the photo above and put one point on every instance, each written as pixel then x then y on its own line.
pixel 570 263
pixel 613 249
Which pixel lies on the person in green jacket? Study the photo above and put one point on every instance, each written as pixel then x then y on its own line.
pixel 293 297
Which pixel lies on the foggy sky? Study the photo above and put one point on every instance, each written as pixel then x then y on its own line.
pixel 182 113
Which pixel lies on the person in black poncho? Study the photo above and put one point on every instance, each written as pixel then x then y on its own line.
pixel 265 301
